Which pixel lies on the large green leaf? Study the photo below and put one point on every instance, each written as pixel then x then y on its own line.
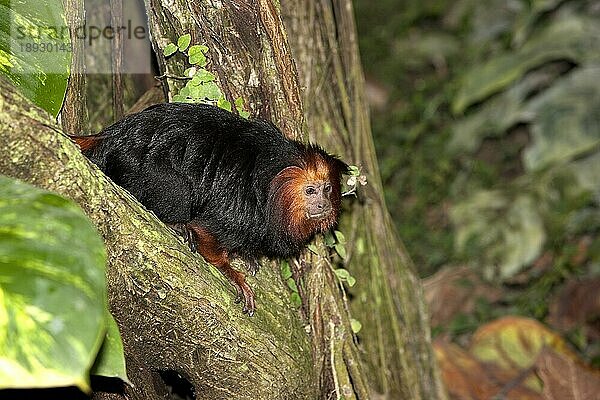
pixel 35 50
pixel 505 234
pixel 570 38
pixel 111 360
pixel 52 289
pixel 567 120
pixel 496 115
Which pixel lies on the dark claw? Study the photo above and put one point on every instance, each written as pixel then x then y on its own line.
pixel 244 291
pixel 187 234
pixel 252 266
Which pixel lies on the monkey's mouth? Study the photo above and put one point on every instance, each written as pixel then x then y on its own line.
pixel 319 215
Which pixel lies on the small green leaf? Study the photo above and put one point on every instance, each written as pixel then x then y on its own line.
pixel 205 76
pixel 355 325
pixel 178 98
pixel 329 239
pixel 184 41
pixel 296 300
pixel 198 48
pixel 351 281
pixel 342 273
pixel 239 106
pixel 292 285
pixel 313 248
pixel 243 114
pixel 170 49
pixel 340 249
pixel 195 81
pixel 210 91
pixel 185 91
pixel 198 59
pixel 340 237
pixel 196 55
pixel 286 270
pixel 224 104
pixel 353 170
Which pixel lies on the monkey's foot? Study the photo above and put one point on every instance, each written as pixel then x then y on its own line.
pixel 245 292
pixel 188 235
pixel 252 266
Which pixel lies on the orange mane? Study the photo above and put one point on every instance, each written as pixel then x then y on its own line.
pixel 288 200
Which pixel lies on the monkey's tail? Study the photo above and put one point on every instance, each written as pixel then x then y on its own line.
pixel 85 142
pixel 89 142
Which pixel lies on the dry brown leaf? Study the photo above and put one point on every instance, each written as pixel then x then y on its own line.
pixel 577 304
pixel 564 379
pixel 514 343
pixel 467 378
pixel 454 290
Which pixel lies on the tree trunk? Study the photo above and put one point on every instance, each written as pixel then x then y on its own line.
pixel 387 299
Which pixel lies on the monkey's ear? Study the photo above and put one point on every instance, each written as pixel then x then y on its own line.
pixel 342 166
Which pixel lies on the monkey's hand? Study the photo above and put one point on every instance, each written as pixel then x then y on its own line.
pixel 188 235
pixel 244 291
pixel 252 266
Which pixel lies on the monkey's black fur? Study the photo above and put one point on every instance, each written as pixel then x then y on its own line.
pixel 201 164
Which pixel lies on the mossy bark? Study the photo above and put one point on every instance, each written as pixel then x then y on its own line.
pixel 175 312
pixel 387 298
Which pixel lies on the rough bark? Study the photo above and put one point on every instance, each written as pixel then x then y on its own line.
pixel 74 113
pixel 387 298
pixel 175 312
pixel 248 53
pixel 116 51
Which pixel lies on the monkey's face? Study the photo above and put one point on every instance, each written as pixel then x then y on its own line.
pixel 317 199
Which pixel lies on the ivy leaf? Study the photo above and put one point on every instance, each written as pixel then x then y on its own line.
pixel 209 91
pixel 340 249
pixel 170 49
pixel 196 55
pixel 351 281
pixel 292 285
pixel 244 114
pixel 184 41
pixel 340 237
pixel 224 104
pixel 342 273
pixel 355 325
pixel 205 76
pixel 286 271
pixel 329 239
pixel 239 106
pixel 296 300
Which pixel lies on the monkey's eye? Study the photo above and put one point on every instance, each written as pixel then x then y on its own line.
pixel 310 190
pixel 328 188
